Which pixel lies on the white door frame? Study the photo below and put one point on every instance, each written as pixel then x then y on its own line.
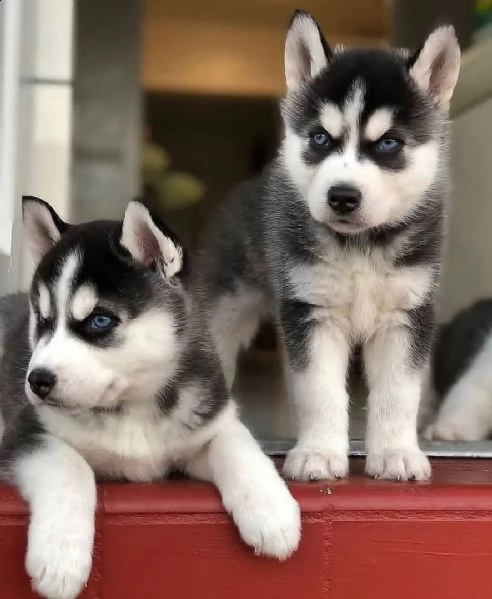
pixel 36 64
pixel 10 53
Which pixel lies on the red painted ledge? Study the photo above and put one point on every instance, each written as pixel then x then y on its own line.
pixel 362 539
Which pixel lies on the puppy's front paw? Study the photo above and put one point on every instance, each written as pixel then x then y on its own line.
pixel 58 561
pixel 398 464
pixel 303 464
pixel 269 520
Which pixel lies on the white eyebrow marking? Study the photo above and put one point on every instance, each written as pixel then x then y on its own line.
pixel 83 302
pixel 332 119
pixel 378 124
pixel 64 286
pixel 44 301
pixel 352 110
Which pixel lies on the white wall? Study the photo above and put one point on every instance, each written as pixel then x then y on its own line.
pixel 468 261
pixel 468 264
pixel 237 48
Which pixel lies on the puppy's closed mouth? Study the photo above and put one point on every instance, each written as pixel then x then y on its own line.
pixel 107 409
pixel 54 404
pixel 73 410
pixel 347 225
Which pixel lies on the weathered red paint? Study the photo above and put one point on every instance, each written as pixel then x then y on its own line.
pixel 362 539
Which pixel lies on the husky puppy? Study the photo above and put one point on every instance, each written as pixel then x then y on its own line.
pixel 106 372
pixel 462 376
pixel 341 238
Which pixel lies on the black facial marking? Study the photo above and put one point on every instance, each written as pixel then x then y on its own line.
pixel 383 77
pixel 393 161
pixel 85 330
pixel 119 282
pixel 314 154
pixel 44 326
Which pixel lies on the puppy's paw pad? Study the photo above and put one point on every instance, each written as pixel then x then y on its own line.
pixel 303 464
pixel 398 464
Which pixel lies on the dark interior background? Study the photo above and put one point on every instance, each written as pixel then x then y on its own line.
pixel 220 140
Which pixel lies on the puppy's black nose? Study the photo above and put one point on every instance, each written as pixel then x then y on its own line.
pixel 41 381
pixel 344 199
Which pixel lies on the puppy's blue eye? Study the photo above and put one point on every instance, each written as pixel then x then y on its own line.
pixel 320 139
pixel 101 322
pixel 388 145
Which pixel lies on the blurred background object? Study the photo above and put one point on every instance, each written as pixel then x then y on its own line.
pixel 172 190
pixel 109 88
pixel 483 20
pixel 411 21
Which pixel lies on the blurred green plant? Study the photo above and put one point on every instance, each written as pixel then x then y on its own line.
pixel 170 190
pixel 483 13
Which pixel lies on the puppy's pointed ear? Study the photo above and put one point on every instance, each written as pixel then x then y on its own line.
pixel 150 242
pixel 436 66
pixel 42 225
pixel 306 50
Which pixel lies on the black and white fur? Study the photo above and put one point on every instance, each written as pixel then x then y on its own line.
pixel 106 372
pixel 336 274
pixel 462 377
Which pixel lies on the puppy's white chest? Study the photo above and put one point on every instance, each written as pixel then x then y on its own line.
pixel 139 448
pixel 361 294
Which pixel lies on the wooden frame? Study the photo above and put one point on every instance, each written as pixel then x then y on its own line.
pixel 361 538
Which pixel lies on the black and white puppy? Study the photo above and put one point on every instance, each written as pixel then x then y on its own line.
pixel 340 238
pixel 106 372
pixel 461 381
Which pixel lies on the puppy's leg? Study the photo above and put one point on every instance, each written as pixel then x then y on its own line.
pixel 267 516
pixel 318 355
pixel 234 322
pixel 60 489
pixel 395 387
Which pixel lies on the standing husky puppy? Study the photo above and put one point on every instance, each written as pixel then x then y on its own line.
pixel 106 371
pixel 341 237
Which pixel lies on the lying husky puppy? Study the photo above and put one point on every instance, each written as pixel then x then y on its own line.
pixel 107 373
